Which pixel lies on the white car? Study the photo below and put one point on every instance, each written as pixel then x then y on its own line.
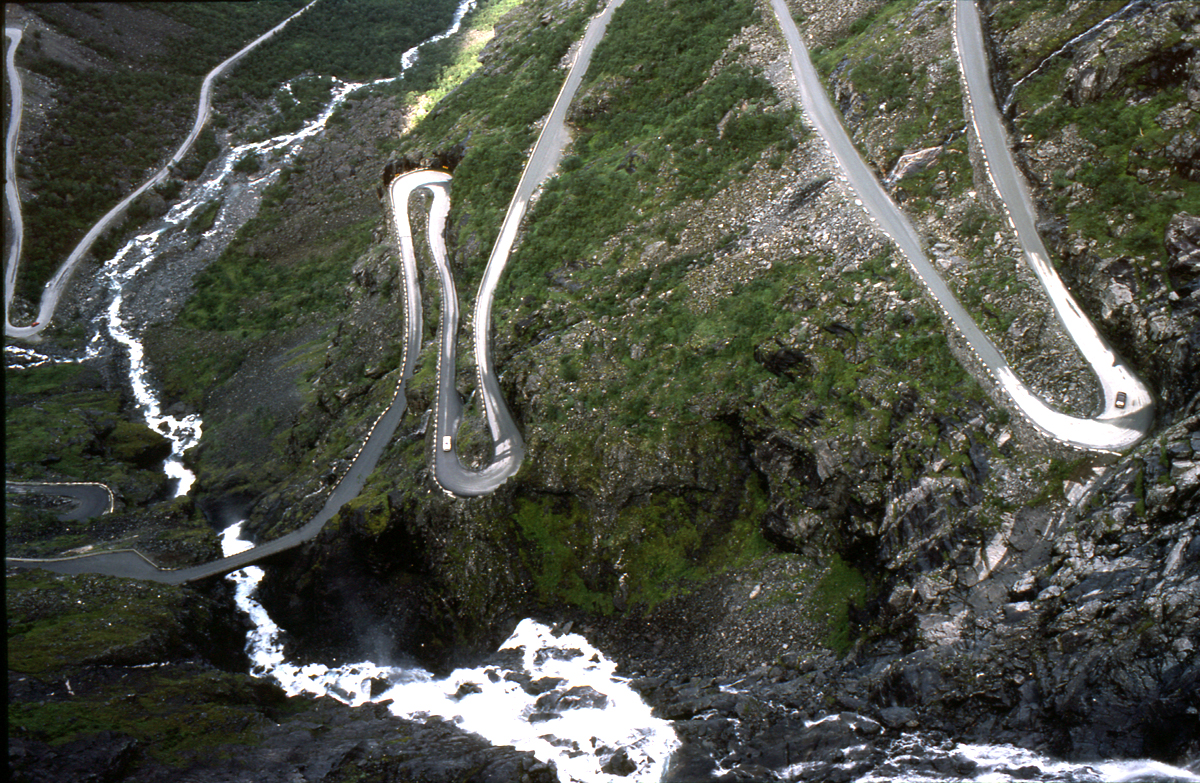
pixel 447 442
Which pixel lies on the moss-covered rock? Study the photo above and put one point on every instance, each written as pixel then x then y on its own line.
pixel 137 444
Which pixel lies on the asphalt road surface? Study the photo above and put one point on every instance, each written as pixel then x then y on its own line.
pixel 509 448
pixel 1113 429
pixel 89 499
pixel 451 475
pixel 54 288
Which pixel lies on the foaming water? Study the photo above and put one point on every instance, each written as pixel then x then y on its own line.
pixel 137 255
pixel 560 698
pixel 998 762
pixel 554 694
pixel 916 759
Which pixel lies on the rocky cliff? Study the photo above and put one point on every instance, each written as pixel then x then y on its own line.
pixel 757 471
pixel 736 391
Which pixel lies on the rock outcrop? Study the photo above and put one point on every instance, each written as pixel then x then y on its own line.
pixel 756 474
pixel 160 694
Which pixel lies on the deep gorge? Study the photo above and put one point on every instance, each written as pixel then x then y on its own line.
pixel 759 477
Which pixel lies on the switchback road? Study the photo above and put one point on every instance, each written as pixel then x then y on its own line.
pixel 54 288
pixel 509 448
pixel 1113 429
pixel 1128 408
pixel 451 475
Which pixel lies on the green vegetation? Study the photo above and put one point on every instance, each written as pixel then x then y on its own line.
pixel 60 421
pixel 1130 177
pixel 106 130
pixel 890 85
pixel 446 64
pixel 63 628
pixel 201 366
pixel 666 543
pixel 177 715
pixel 839 588
pixel 58 622
pixel 354 40
pixel 203 152
pixel 109 127
pixel 205 218
pixel 874 31
pixel 548 527
pixel 250 163
pixel 512 101
pixel 921 114
pixel 295 104
pixel 245 293
pixel 648 136
pixel 589 203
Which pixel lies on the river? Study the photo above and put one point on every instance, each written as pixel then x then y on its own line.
pixel 116 333
pixel 593 714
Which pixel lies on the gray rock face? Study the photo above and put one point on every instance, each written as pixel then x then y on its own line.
pixel 1182 243
pixel 912 163
pixel 1072 633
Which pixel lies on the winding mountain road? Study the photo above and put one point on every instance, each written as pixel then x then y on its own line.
pixel 91 499
pixel 509 448
pixel 53 291
pixel 12 194
pixel 1114 429
pixel 449 472
pixel 1119 425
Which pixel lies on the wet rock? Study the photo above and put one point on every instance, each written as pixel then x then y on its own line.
pixel 1183 150
pixel 466 689
pixel 619 764
pixel 690 763
pixel 105 757
pixel 541 685
pixel 898 718
pixel 379 685
pixel 578 697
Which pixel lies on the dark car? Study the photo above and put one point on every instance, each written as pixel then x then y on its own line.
pixel 1121 398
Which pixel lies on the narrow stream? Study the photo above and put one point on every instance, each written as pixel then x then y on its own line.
pixel 136 258
pixel 554 694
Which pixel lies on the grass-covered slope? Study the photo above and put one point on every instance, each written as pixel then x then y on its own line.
pixel 114 92
pixel 691 364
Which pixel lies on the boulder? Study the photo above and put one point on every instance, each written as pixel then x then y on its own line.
pixel 912 163
pixel 1182 243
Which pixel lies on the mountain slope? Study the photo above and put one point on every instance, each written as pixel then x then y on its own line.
pixel 752 451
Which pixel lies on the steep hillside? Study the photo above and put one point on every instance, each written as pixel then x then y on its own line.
pixel 727 380
pixel 756 463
